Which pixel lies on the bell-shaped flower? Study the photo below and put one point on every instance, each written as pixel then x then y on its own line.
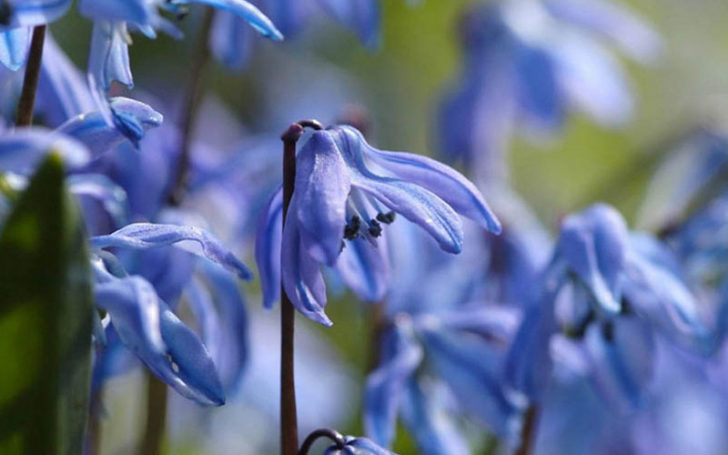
pixel 348 191
pixel 612 290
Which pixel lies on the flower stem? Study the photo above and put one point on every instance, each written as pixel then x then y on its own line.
pixel 156 416
pixel 334 435
pixel 190 104
pixel 26 104
pixel 528 436
pixel 289 419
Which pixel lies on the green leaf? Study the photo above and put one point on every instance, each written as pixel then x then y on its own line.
pixel 46 310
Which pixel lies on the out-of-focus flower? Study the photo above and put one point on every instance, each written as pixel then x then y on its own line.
pixel 527 63
pixel 347 190
pixel 614 292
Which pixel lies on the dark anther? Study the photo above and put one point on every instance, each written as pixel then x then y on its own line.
pixel 6 12
pixel 608 331
pixel 375 229
pixel 626 309
pixel 351 230
pixel 386 218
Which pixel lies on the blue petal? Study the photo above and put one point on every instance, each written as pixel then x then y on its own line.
pixel 62 89
pixel 21 150
pixel 230 41
pixel 14 47
pixel 594 244
pixel 660 296
pixel 108 61
pixel 623 359
pixel 247 11
pixel 364 267
pixel 444 181
pixel 34 12
pixel 434 432
pixel 537 86
pixel 99 187
pixel 232 356
pixel 364 446
pixel 616 22
pixel 134 11
pixel 363 16
pixel 412 201
pixel 384 387
pixel 301 274
pixel 593 80
pixel 268 249
pixel 472 369
pixel 322 188
pixel 131 120
pixel 147 235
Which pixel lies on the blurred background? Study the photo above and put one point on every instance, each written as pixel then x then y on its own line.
pixel 399 85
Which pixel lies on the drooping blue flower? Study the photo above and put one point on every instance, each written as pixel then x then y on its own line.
pixel 616 292
pixel 527 64
pixel 347 190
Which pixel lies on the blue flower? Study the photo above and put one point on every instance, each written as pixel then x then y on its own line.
pixel 615 291
pixel 347 190
pixel 527 64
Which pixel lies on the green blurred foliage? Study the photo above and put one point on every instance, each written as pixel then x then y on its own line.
pixel 45 320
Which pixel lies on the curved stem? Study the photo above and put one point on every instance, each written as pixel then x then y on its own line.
pixel 26 104
pixel 193 93
pixel 333 435
pixel 156 423
pixel 288 412
pixel 528 437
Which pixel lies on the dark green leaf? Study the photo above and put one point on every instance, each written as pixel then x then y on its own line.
pixel 45 320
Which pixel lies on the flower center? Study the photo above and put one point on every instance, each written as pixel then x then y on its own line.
pixel 359 222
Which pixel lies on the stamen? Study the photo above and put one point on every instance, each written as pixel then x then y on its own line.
pixel 351 230
pixel 6 12
pixel 386 218
pixel 375 229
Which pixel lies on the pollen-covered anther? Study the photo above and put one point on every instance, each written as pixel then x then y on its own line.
pixel 351 230
pixel 386 218
pixel 375 229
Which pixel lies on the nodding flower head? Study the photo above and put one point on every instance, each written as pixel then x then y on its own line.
pixel 348 191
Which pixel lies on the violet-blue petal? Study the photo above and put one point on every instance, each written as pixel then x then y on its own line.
pixel 444 181
pixel 247 11
pixel 593 80
pixel 363 16
pixel 21 150
pixel 472 369
pixel 622 355
pixel 268 249
pixel 612 20
pixel 417 204
pixel 147 235
pixel 657 294
pixel 385 386
pixel 100 188
pixel 134 11
pixel 231 357
pixel 26 13
pixel 425 419
pixel 364 267
pixel 594 244
pixel 132 119
pixel 168 269
pixel 230 41
pixel 537 87
pixel 62 89
pixel 14 45
pixel 108 61
pixel 301 276
pixel 192 373
pixel 322 188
